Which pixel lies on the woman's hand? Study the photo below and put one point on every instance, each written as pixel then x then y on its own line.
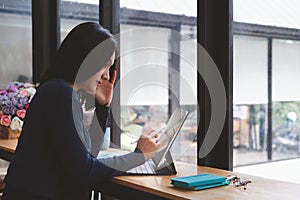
pixel 104 90
pixel 148 144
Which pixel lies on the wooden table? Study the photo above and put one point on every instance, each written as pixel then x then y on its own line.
pixel 159 187
pixel 7 148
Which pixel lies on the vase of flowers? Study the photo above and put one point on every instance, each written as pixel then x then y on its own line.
pixel 14 101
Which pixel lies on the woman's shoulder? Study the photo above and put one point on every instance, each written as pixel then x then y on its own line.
pixel 55 85
pixel 55 88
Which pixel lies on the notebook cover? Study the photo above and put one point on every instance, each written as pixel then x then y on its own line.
pixel 204 186
pixel 198 180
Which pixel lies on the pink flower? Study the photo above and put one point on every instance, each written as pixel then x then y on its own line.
pixel 23 92
pixel 21 113
pixel 5 120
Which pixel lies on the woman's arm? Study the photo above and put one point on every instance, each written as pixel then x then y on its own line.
pixel 72 156
pixel 98 127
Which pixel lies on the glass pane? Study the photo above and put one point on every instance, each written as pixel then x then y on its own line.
pixel 250 99
pixel 286 98
pixel 16 42
pixel 74 12
pixel 151 56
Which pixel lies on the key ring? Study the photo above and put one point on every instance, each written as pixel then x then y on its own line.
pixel 237 181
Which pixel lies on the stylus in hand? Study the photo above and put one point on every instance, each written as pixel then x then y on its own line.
pixel 153 133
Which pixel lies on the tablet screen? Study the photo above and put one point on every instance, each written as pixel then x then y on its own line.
pixel 168 134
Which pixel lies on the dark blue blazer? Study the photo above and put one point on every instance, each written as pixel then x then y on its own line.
pixel 51 161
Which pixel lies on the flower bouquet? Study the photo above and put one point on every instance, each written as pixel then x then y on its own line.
pixel 14 101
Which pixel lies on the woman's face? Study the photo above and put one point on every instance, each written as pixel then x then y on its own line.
pixel 90 85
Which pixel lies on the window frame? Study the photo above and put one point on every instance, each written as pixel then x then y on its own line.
pixel 45 35
pixel 216 37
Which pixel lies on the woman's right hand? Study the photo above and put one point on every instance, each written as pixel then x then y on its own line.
pixel 148 143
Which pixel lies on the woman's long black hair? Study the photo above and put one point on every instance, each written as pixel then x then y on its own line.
pixel 74 49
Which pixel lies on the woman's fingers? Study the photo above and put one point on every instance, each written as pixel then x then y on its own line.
pixel 148 145
pixel 106 84
pixel 104 92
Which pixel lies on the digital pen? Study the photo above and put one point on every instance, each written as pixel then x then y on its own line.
pixel 153 133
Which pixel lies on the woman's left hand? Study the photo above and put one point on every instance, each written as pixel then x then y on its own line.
pixel 104 90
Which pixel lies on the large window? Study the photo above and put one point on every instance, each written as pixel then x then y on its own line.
pixel 15 42
pixel 158 71
pixel 266 71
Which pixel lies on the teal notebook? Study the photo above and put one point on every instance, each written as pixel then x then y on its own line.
pixel 199 182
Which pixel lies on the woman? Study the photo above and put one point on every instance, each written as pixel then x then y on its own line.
pixel 56 155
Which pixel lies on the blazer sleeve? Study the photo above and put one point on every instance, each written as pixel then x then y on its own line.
pixel 73 158
pixel 98 127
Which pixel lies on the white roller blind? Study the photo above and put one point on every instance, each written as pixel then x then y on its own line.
pixel 188 72
pixel 250 70
pixel 286 70
pixel 144 65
